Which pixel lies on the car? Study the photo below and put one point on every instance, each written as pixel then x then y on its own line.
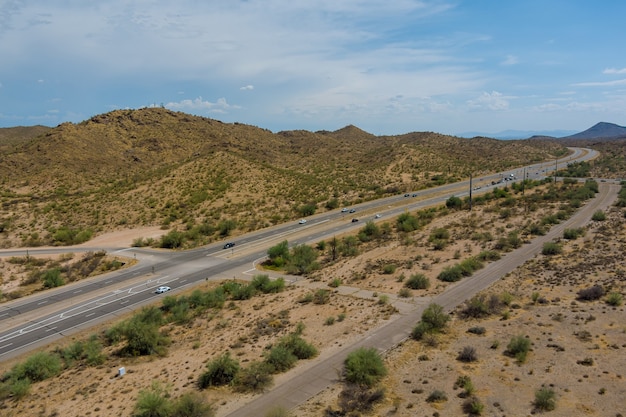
pixel 414 195
pixel 344 210
pixel 352 211
pixel 162 289
pixel 407 195
pixel 229 245
pixel 302 221
pixel 355 220
pixel 378 216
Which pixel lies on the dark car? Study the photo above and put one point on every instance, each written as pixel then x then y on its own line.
pixel 229 245
pixel 352 211
pixel 407 194
pixel 355 220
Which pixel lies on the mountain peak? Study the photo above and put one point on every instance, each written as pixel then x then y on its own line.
pixel 601 130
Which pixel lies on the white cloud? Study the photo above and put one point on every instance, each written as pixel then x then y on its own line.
pixel 510 60
pixel 247 87
pixel 602 83
pixel 614 71
pixel 491 101
pixel 200 105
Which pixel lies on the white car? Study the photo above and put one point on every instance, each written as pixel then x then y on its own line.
pixel 378 216
pixel 344 210
pixel 302 221
pixel 162 289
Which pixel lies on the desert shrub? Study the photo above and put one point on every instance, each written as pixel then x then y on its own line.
pixel 480 306
pixel 434 319
pixel 329 321
pixel 473 406
pixel 551 248
pixel 334 283
pixel 389 269
pixel 488 255
pixel 279 254
pixel 598 216
pixel 264 284
pixel 37 367
pixel 52 278
pixel 590 294
pixel 321 296
pixel 302 260
pixel 451 274
pixel 614 299
pixel 220 371
pixel 417 282
pixel 454 203
pixel 369 232
pixel 153 402
pixel 468 354
pixel 466 383
pixel 364 366
pixel 15 389
pixel 470 265
pixel 354 399
pixel 192 404
pixel 479 330
pixel 406 222
pixel 404 293
pixel 254 378
pixel 299 347
pixel 172 240
pixel 545 399
pixel 571 234
pixel 280 358
pixel 518 347
pixel 437 396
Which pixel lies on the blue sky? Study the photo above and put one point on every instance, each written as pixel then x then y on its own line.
pixel 388 67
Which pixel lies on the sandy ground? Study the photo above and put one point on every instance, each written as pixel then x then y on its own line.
pixel 554 322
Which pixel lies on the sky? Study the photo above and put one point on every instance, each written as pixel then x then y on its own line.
pixel 386 66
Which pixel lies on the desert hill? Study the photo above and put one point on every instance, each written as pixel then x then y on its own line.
pixel 152 166
pixel 601 131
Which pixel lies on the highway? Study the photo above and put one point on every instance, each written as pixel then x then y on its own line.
pixel 47 316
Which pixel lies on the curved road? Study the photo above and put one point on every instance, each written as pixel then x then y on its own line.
pixel 311 378
pixel 42 318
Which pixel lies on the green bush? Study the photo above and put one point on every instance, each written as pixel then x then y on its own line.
pixel 364 366
pixel 298 346
pixel 551 248
pixel 52 278
pixel 452 273
pixel 437 396
pixel 255 378
pixel 473 406
pixel 389 269
pixel 518 347
pixel 417 282
pixel 220 371
pixel 38 367
pixel 192 404
pixel 614 299
pixel 153 402
pixel 434 319
pixel 281 358
pixel 571 234
pixel 545 399
pixel 598 216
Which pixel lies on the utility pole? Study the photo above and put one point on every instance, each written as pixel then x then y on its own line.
pixel 470 194
pixel 556 168
pixel 524 181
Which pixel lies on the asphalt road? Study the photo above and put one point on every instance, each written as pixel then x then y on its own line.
pixel 42 318
pixel 311 378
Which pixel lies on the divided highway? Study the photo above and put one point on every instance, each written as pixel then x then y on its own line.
pixel 42 318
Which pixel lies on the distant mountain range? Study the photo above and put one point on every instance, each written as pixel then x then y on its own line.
pixel 601 130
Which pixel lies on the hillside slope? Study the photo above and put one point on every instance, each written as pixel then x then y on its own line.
pixel 130 168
